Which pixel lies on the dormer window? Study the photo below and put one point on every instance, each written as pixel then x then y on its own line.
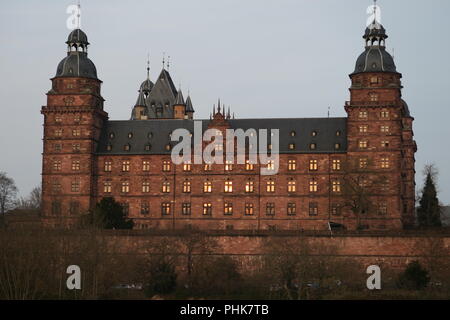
pixel 148 147
pixel 293 134
pixel 111 135
pixel 130 135
pixel 150 135
pixel 314 133
pixel 109 147
pixel 313 146
pixel 127 147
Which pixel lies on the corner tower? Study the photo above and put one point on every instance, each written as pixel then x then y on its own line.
pixel 73 118
pixel 380 136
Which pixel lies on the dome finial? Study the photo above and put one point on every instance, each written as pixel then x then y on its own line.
pixel 79 15
pixel 148 66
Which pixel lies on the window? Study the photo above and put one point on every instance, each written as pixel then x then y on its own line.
pixel 125 187
pixel 107 187
pixel 374 80
pixel 271 165
pixel 76 165
pixel 291 146
pixel 186 209
pixel 384 114
pixel 270 186
pixel 130 135
pixel 58 118
pixel 228 165
pixel 207 187
pixel 363 115
pixel 186 186
pixel 207 209
pixel 166 187
pixel 168 147
pixel 384 129
pixel 56 208
pixel 291 209
pixel 145 186
pixel 313 209
pixel 382 208
pixel 145 208
pixel 228 209
pixel 385 144
pixel 292 186
pixel 58 132
pixel 338 133
pixel 249 186
pixel 76 132
pixel 56 186
pixel 337 146
pixel 313 185
pixel 335 209
pixel 148 147
pixel 76 147
pixel 145 165
pixel 125 208
pixel 336 165
pixel 166 208
pixel 57 147
pixel 373 97
pixel 187 167
pixel 363 129
pixel 336 186
pixel 207 167
pixel 314 133
pixel 108 166
pixel 228 186
pixel 109 147
pixel 75 186
pixel 292 165
pixel 127 147
pixel 166 166
pixel 363 144
pixel 385 163
pixel 363 182
pixel 248 165
pixel 313 146
pixel 111 135
pixel 363 163
pixel 270 208
pixel 293 134
pixel 313 165
pixel 249 209
pixel 77 118
pixel 74 208
pixel 126 166
pixel 57 165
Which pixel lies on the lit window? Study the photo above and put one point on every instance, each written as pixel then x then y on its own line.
pixel 249 187
pixel 58 132
pixel 384 114
pixel 384 129
pixel 187 167
pixel 313 165
pixel 314 133
pixel 271 165
pixel 186 208
pixel 337 146
pixel 313 185
pixel 76 147
pixel 228 165
pixel 145 187
pixel 76 132
pixel 75 186
pixel 108 166
pixel 166 166
pixel 130 135
pixel 111 135
pixel 291 209
pixel 125 166
pixel 228 209
pixel 363 182
pixel 385 163
pixel 148 147
pixel 382 208
pixel 145 165
pixel 186 186
pixel 109 147
pixel 293 134
pixel 166 187
pixel 207 167
pixel 384 144
pixel 168 147
pixel 270 186
pixel 363 115
pixel 363 144
pixel 125 187
pixel 127 147
pixel 335 209
pixel 292 165
pixel 248 165
pixel 374 80
pixel 249 209
pixel 292 186
pixel 166 208
pixel 228 186
pixel 270 208
pixel 207 209
pixel 336 165
pixel 313 209
pixel 363 163
pixel 57 165
pixel 336 186
pixel 313 146
pixel 77 118
pixel 58 118
pixel 107 187
pixel 76 165
pixel 338 133
pixel 373 97
pixel 207 187
pixel 291 146
pixel 363 129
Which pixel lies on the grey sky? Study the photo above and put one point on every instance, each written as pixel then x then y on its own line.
pixel 283 58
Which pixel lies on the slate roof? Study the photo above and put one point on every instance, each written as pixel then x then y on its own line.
pixel 162 97
pixel 156 133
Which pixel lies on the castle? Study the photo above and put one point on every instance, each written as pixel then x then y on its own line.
pixel 354 172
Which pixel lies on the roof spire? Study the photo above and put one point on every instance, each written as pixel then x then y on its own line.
pixel 79 15
pixel 168 63
pixel 148 66
pixel 164 60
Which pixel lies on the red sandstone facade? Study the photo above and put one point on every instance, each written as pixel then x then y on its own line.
pixel 309 191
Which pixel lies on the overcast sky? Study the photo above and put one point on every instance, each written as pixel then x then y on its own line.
pixel 283 58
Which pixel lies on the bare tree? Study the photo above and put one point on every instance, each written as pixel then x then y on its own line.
pixel 8 193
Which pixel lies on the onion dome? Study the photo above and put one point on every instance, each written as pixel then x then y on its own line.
pixel 77 63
